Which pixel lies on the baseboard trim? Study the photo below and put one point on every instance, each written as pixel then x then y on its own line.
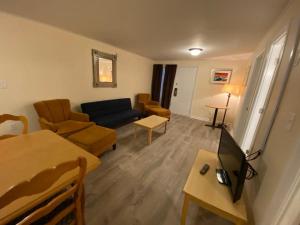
pixel 201 118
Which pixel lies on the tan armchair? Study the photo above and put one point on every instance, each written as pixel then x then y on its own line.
pixel 144 102
pixel 149 107
pixel 56 115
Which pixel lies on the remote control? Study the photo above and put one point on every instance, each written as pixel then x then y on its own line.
pixel 204 169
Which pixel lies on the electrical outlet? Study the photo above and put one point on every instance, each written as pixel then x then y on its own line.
pixel 3 84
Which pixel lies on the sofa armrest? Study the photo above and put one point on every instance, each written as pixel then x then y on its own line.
pixel 80 116
pixel 47 125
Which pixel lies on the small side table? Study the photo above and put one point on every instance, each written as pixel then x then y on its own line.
pixel 216 107
pixel 206 192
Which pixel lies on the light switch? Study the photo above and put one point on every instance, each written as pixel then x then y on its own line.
pixel 290 121
pixel 3 84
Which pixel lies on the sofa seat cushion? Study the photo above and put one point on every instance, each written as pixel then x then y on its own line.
pixel 115 119
pixel 68 127
pixel 95 139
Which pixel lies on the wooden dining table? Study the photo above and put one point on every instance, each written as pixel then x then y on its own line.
pixel 24 156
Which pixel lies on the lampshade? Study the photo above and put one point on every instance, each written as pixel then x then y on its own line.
pixel 232 89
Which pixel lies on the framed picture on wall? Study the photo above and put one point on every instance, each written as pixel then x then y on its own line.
pixel 221 76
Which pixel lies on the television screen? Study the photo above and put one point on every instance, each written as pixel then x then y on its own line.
pixel 233 161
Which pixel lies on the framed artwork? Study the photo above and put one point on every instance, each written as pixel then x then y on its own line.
pixel 104 69
pixel 221 76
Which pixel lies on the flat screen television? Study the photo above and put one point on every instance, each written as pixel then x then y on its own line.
pixel 234 164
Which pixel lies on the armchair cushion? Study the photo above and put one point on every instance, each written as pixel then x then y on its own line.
pixel 79 116
pixel 150 102
pixel 68 127
pixel 47 125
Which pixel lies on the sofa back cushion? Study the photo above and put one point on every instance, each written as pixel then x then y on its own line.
pixel 55 111
pixel 107 107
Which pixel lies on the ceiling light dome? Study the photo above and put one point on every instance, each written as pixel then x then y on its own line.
pixel 195 51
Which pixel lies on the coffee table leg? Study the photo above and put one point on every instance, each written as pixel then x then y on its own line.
pixel 165 127
pixel 185 208
pixel 149 136
pixel 135 130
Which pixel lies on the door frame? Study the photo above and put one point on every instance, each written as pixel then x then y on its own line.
pixel 292 30
pixel 290 50
pixel 249 95
pixel 262 69
pixel 193 89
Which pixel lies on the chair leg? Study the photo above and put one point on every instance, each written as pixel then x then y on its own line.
pixel 114 146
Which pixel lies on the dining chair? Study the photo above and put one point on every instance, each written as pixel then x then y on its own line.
pixel 39 183
pixel 6 117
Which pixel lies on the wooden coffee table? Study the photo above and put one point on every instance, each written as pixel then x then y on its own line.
pixel 150 123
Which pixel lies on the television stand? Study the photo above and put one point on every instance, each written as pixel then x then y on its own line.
pixel 222 177
pixel 206 191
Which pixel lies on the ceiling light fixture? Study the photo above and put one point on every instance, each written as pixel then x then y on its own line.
pixel 195 51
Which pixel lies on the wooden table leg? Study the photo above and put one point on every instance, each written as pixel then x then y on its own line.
pixel 213 125
pixel 165 127
pixel 83 205
pixel 185 208
pixel 149 136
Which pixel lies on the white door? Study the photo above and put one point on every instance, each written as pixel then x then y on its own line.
pixel 183 89
pixel 252 83
pixel 263 91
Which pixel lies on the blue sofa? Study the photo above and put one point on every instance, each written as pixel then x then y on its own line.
pixel 111 113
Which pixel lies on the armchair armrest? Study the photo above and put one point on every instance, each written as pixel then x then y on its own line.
pixel 47 125
pixel 152 103
pixel 80 116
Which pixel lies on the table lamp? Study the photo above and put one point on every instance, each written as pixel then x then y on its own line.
pixel 230 90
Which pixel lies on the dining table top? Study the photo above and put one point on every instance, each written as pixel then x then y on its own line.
pixel 217 106
pixel 26 155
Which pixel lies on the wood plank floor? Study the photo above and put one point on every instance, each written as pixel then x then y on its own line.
pixel 142 185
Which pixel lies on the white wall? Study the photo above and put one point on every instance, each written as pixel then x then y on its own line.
pixel 42 62
pixel 205 92
pixel 278 165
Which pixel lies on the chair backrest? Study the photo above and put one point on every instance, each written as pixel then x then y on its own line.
pixel 6 117
pixel 41 182
pixel 143 98
pixel 55 110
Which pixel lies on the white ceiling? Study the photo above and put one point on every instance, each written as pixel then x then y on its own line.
pixel 159 29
